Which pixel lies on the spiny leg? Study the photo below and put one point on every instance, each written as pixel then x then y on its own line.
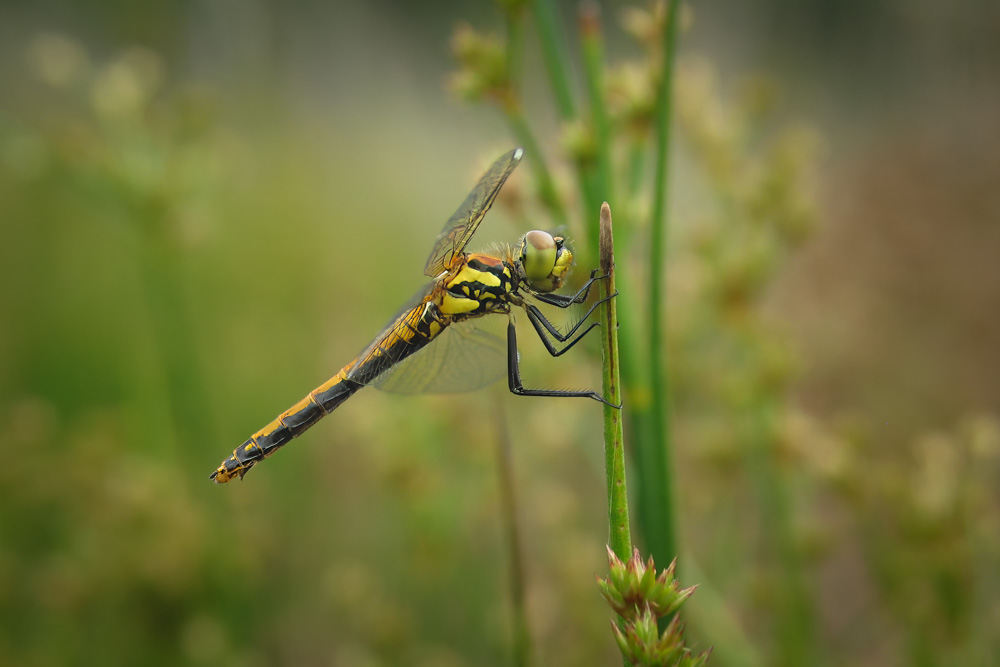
pixel 514 375
pixel 542 325
pixel 534 312
pixel 563 301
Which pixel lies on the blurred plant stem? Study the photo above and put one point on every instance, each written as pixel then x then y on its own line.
pixel 546 185
pixel 655 453
pixel 795 623
pixel 599 169
pixel 713 610
pixel 554 54
pixel 557 65
pixel 512 533
pixel 514 113
pixel 159 300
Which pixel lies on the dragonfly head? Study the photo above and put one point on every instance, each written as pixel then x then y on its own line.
pixel 545 260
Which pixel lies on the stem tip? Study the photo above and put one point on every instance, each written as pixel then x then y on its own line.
pixel 607 249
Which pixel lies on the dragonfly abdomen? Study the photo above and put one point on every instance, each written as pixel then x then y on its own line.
pixel 411 331
pixel 291 423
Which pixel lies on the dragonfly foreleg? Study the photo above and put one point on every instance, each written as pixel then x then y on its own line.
pixel 564 301
pixel 514 374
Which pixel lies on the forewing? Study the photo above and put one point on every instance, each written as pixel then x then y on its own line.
pixel 463 224
pixel 462 358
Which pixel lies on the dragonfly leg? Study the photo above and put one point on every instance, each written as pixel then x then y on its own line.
pixel 514 375
pixel 563 337
pixel 542 325
pixel 564 301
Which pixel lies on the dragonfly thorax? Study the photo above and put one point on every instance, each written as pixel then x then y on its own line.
pixel 480 285
pixel 544 260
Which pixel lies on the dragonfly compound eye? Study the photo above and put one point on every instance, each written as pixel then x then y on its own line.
pixel 545 260
pixel 538 255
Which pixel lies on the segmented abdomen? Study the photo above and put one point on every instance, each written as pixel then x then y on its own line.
pixel 408 333
pixel 292 423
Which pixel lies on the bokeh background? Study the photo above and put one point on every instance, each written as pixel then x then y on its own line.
pixel 207 207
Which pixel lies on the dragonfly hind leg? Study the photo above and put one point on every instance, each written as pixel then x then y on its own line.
pixel 514 372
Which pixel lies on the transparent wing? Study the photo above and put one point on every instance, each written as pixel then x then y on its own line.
pixel 463 223
pixel 389 345
pixel 462 358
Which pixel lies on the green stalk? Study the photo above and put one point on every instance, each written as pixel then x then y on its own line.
pixel 717 618
pixel 636 164
pixel 521 648
pixel 547 23
pixel 593 66
pixel 795 622
pixel 557 65
pixel 515 49
pixel 155 398
pixel 512 533
pixel 546 186
pixel 513 111
pixel 634 171
pixel 657 490
pixel 619 537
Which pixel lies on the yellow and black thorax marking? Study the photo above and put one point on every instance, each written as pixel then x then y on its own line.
pixel 483 284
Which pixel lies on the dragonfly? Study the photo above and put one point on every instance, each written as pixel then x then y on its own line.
pixel 463 288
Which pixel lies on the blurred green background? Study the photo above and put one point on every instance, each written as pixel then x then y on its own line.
pixel 208 207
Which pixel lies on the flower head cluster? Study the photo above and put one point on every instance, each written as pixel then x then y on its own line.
pixel 640 597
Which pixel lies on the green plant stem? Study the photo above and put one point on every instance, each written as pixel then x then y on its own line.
pixel 512 533
pixel 720 623
pixel 661 535
pixel 636 162
pixel 513 111
pixel 154 396
pixel 628 204
pixel 546 186
pixel 547 23
pixel 515 50
pixel 592 43
pixel 557 65
pixel 795 615
pixel 182 415
pixel 620 537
